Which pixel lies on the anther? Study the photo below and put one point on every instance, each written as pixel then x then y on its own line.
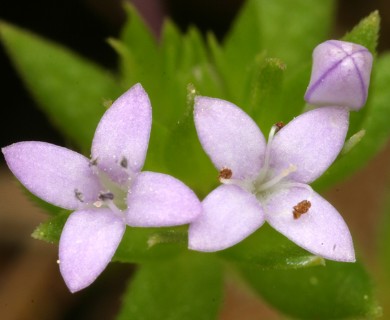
pixel 124 163
pixel 106 196
pixel 279 125
pixel 78 194
pixel 301 208
pixel 225 173
pixel 93 162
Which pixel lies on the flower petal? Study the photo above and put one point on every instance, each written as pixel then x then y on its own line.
pixel 88 242
pixel 230 214
pixel 158 200
pixel 321 230
pixel 122 136
pixel 55 174
pixel 340 75
pixel 310 142
pixel 229 136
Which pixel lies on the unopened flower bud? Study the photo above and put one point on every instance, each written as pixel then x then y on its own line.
pixel 340 75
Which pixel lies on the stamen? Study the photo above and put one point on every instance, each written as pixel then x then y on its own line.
pixel 93 165
pixel 106 196
pixel 110 204
pixel 225 173
pixel 301 208
pixel 93 162
pixel 79 195
pixel 265 167
pixel 106 199
pixel 279 125
pixel 124 163
pixel 278 178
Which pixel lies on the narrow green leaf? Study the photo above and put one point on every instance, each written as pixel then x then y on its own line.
pixel 129 68
pixel 220 62
pixel 375 124
pixel 366 33
pixel 383 276
pixel 200 72
pixel 138 244
pixel 258 27
pixel 137 36
pixel 336 291
pixel 140 58
pixel 184 155
pixel 267 83
pixel 268 249
pixel 189 287
pixel 385 239
pixel 147 244
pixel 68 88
pixel 306 23
pixel 50 230
pixel 257 30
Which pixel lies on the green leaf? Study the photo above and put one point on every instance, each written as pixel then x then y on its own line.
pixel 385 238
pixel 366 33
pixel 68 88
pixel 257 31
pixel 137 245
pixel 147 244
pixel 258 27
pixel 139 54
pixel 375 124
pixel 137 37
pixel 50 230
pixel 336 291
pixel 185 157
pixel 189 287
pixel 306 23
pixel 268 249
pixel 265 106
pixel 383 276
pixel 199 70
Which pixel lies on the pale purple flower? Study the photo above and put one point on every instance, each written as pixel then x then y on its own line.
pixel 269 181
pixel 107 192
pixel 340 75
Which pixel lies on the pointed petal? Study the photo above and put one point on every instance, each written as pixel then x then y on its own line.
pixel 340 75
pixel 310 142
pixel 230 214
pixel 88 242
pixel 321 230
pixel 158 200
pixel 122 136
pixel 229 136
pixel 55 174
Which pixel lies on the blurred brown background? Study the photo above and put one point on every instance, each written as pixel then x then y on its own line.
pixel 30 283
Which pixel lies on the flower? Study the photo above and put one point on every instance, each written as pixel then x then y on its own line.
pixel 107 192
pixel 269 181
pixel 340 75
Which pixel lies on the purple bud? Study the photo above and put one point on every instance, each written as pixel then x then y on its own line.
pixel 340 75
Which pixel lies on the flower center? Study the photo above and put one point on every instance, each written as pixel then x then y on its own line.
pixel 113 195
pixel 266 181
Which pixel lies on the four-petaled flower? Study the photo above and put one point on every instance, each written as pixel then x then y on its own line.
pixel 107 192
pixel 340 75
pixel 269 181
